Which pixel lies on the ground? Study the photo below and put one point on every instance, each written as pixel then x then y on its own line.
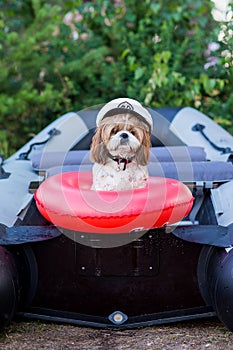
pixel 198 335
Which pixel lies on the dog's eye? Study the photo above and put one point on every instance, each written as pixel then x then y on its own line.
pixel 115 130
pixel 133 132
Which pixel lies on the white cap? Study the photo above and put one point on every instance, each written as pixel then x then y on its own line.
pixel 123 105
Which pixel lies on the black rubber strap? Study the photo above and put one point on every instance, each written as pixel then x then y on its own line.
pixel 51 133
pixel 200 128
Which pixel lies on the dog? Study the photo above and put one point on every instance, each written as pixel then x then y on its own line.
pixel 120 148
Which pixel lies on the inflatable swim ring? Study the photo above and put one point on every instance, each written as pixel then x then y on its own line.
pixel 67 201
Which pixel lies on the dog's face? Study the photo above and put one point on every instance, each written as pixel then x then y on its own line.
pixel 122 135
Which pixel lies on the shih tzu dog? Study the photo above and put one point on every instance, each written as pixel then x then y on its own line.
pixel 120 148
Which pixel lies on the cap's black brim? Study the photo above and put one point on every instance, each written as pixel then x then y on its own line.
pixel 116 111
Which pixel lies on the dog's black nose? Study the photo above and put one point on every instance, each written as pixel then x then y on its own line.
pixel 124 135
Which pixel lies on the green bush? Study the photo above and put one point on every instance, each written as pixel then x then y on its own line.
pixel 65 56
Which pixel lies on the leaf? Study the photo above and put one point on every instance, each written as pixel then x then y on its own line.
pixel 138 73
pixel 155 7
pixel 125 53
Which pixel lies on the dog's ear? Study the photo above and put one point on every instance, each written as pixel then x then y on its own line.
pixel 98 151
pixel 143 153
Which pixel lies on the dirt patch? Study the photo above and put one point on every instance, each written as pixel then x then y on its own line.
pixel 198 335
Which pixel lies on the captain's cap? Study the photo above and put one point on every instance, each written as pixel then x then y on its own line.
pixel 125 105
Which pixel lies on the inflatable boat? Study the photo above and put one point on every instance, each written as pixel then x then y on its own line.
pixel 150 272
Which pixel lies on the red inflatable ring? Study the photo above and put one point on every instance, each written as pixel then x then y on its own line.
pixel 67 201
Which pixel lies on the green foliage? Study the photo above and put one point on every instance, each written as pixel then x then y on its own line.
pixel 68 55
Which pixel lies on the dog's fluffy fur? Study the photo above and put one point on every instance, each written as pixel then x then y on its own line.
pixel 120 150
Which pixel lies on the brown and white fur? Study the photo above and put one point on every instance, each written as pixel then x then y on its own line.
pixel 120 150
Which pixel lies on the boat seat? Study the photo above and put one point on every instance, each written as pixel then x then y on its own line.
pixel 183 163
pixel 44 161
pixel 204 174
